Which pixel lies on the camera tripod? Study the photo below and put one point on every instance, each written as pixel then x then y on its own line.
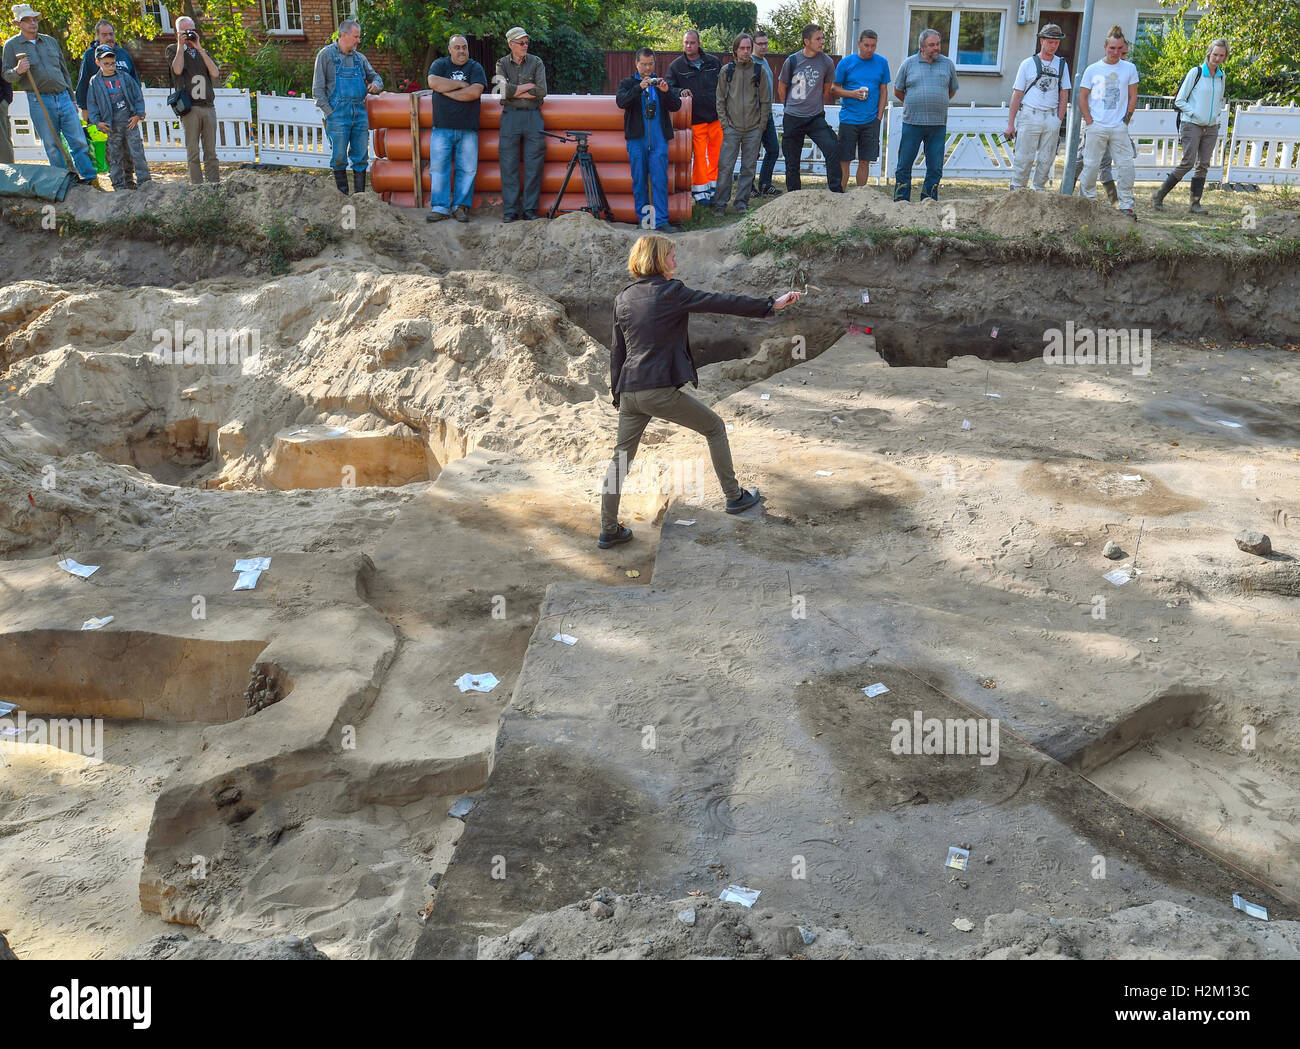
pixel 597 202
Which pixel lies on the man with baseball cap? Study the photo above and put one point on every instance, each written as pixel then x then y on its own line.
pixel 1040 96
pixel 33 62
pixel 520 80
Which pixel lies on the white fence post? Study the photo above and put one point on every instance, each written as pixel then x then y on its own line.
pixel 1265 148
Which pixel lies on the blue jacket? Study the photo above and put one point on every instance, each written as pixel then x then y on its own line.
pixel 89 67
pixel 98 107
pixel 1203 103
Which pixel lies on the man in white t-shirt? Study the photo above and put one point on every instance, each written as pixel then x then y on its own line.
pixel 1042 91
pixel 1107 98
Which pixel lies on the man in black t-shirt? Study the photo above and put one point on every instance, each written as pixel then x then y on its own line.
pixel 457 82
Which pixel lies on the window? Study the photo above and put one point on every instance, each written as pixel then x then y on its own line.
pixel 972 39
pixel 344 9
pixel 1149 25
pixel 155 10
pixel 282 16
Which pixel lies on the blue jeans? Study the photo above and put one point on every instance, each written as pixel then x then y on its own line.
pixel 448 148
pixel 67 123
pixel 649 155
pixel 349 134
pixel 771 146
pixel 934 137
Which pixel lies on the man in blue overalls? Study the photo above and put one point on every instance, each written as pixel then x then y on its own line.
pixel 339 84
pixel 647 101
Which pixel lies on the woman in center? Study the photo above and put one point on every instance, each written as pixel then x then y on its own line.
pixel 650 361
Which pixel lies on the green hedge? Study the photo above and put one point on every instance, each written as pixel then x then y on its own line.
pixel 574 65
pixel 735 16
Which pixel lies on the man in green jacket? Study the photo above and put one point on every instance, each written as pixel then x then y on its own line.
pixel 744 103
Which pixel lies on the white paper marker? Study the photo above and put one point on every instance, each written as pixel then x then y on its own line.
pixel 477 682
pixel 252 564
pixel 825 473
pixel 94 623
pixel 567 639
pixel 878 689
pixel 74 568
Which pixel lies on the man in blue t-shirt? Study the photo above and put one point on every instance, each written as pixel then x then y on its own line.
pixel 860 82
pixel 458 82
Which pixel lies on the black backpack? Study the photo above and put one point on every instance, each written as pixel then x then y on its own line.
pixel 1178 113
pixel 731 71
pixel 1038 69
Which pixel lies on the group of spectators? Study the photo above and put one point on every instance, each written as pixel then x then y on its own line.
pixel 108 94
pixel 731 115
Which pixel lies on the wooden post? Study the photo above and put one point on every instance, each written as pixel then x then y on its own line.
pixel 415 149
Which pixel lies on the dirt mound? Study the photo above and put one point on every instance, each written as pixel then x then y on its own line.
pixel 643 926
pixel 1021 214
pixel 179 948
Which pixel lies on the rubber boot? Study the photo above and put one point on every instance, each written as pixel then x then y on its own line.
pixel 1112 192
pixel 1158 197
pixel 1198 187
pixel 358 182
pixel 341 180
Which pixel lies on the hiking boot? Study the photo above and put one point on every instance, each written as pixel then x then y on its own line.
pixel 667 227
pixel 1112 191
pixel 741 207
pixel 461 214
pixel 436 216
pixel 341 180
pixel 1158 197
pixel 608 539
pixel 1198 187
pixel 746 500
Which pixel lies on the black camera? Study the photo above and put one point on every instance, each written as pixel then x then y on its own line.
pixel 191 35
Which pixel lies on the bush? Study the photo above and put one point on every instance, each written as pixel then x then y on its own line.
pixel 269 70
pixel 730 16
pixel 575 64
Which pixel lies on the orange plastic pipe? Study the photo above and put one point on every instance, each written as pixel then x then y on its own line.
pixel 606 146
pixel 390 109
pixel 395 175
pixel 679 204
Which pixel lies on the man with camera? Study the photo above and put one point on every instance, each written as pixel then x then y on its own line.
pixel 744 108
pixel 33 62
pixel 193 72
pixel 647 102
pixel 340 81
pixel 521 82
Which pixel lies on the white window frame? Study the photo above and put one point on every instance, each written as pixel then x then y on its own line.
pixel 281 10
pixel 164 16
pixel 352 12
pixel 1165 15
pixel 957 10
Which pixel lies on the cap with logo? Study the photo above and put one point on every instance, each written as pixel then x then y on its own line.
pixel 517 33
pixel 105 51
pixel 1052 31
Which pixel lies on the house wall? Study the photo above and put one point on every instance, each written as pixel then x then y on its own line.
pixel 891 18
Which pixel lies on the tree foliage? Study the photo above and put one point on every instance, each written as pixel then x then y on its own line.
pixel 1262 37
pixel 728 17
pixel 785 32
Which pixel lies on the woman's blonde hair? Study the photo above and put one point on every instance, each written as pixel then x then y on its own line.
pixel 1221 42
pixel 649 256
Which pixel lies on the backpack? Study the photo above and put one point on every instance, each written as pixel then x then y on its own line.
pixel 1178 113
pixel 1038 71
pixel 731 71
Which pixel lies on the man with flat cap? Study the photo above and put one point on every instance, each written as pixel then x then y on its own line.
pixel 1040 96
pixel 521 82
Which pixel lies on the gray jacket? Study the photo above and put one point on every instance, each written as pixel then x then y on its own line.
pixel 97 100
pixel 322 81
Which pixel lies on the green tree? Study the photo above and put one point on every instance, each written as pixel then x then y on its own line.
pixel 1262 36
pixel 785 33
pixel 1163 57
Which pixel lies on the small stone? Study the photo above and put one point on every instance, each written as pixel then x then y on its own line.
pixel 433 881
pixel 601 911
pixel 603 895
pixel 808 937
pixel 1112 550
pixel 963 924
pixel 461 809
pixel 988 859
pixel 525 956
pixel 687 917
pixel 1254 543
pixel 743 932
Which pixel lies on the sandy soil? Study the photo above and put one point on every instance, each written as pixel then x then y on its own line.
pixel 460 376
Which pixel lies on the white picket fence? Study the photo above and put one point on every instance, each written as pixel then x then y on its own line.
pixel 290 132
pixel 1264 147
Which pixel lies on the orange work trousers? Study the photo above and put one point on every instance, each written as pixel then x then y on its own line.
pixel 706 143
